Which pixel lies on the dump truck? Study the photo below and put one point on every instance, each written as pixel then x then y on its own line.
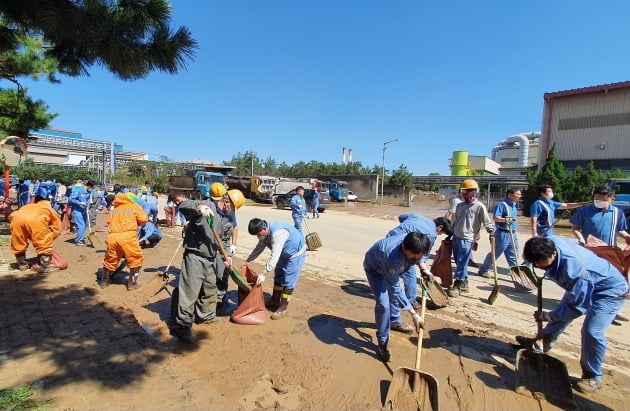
pixel 195 184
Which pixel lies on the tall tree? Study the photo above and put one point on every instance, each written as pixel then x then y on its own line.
pixel 130 38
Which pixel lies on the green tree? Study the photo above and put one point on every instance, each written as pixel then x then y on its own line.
pixel 401 177
pixel 43 37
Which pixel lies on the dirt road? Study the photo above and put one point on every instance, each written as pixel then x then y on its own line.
pixel 109 349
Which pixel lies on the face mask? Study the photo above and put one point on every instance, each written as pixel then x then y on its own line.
pixel 549 196
pixel 261 237
pixel 469 196
pixel 601 204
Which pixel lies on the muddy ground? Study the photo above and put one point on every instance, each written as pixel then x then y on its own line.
pixel 86 348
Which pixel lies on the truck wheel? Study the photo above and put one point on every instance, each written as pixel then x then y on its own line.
pixel 279 204
pixel 321 210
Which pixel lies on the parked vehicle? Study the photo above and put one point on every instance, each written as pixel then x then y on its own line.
pixel 338 190
pixel 621 186
pixel 284 200
pixel 197 185
pixel 352 196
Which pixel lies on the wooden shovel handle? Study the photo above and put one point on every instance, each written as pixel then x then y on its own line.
pixel 421 331
pixel 218 241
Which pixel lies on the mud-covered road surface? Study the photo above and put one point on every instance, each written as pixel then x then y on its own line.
pixel 87 348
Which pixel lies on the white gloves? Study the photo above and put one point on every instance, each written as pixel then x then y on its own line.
pixel 205 211
pixel 418 322
pixel 261 277
pixel 232 249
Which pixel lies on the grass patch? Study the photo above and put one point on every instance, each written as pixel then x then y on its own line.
pixel 20 399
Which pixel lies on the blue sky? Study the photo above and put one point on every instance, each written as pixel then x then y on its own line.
pixel 298 80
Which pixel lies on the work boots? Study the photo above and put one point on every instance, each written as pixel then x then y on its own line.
pixel 459 287
pixel 105 276
pixel 132 282
pixel 283 307
pixel 45 264
pixel 21 262
pixel 274 301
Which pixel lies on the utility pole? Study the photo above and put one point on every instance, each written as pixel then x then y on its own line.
pixel 252 154
pixel 383 166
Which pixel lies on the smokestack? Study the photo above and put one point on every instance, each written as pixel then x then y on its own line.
pixel 349 156
pixel 343 156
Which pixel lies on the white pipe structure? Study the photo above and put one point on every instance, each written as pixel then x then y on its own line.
pixel 343 156
pixel 349 156
pixel 523 140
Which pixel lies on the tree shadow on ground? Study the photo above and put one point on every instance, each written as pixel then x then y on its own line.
pixel 75 336
pixel 360 288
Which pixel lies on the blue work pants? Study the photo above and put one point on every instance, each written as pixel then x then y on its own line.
pixel 411 292
pixel 502 245
pixel 288 271
pixel 598 318
pixel 381 291
pixel 80 221
pixel 297 222
pixel 462 251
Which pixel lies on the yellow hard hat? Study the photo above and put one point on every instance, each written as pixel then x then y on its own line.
pixel 237 198
pixel 217 191
pixel 469 184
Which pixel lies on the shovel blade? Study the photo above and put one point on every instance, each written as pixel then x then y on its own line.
pixel 493 294
pixel 436 293
pixel 411 389
pixel 541 375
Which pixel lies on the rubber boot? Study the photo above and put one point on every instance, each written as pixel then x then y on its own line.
pixel 21 262
pixel 45 264
pixel 106 275
pixel 274 301
pixel 132 282
pixel 284 305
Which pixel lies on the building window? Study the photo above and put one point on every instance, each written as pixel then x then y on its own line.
pixel 606 120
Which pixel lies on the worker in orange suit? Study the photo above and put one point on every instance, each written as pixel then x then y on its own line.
pixel 40 224
pixel 122 240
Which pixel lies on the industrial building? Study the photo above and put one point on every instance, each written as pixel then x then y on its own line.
pixel 518 153
pixel 71 149
pixel 588 124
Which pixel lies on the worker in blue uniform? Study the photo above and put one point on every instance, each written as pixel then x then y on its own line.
pixel 594 288
pixel 384 264
pixel 504 214
pixel 149 235
pixel 288 252
pixel 298 208
pixel 542 211
pixel 79 198
pixel 600 219
pixel 415 223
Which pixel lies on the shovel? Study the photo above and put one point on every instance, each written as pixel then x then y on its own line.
pixel 238 279
pixel 521 274
pixel 543 376
pixel 164 274
pixel 495 290
pixel 91 237
pixel 411 388
pixel 435 292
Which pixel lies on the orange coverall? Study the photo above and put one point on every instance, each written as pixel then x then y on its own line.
pixel 37 222
pixel 122 240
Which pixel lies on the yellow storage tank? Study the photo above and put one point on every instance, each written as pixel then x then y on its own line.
pixel 459 163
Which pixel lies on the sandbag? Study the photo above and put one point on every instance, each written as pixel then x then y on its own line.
pixel 614 255
pixel 442 264
pixel 57 260
pixel 251 305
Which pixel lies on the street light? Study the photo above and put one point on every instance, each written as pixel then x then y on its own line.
pixel 252 154
pixel 383 177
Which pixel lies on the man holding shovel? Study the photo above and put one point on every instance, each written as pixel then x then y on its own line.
pixel 594 288
pixel 505 219
pixel 384 264
pixel 226 204
pixel 195 298
pixel 469 216
pixel 415 223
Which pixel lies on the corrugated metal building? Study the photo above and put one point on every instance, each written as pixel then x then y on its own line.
pixel 588 124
